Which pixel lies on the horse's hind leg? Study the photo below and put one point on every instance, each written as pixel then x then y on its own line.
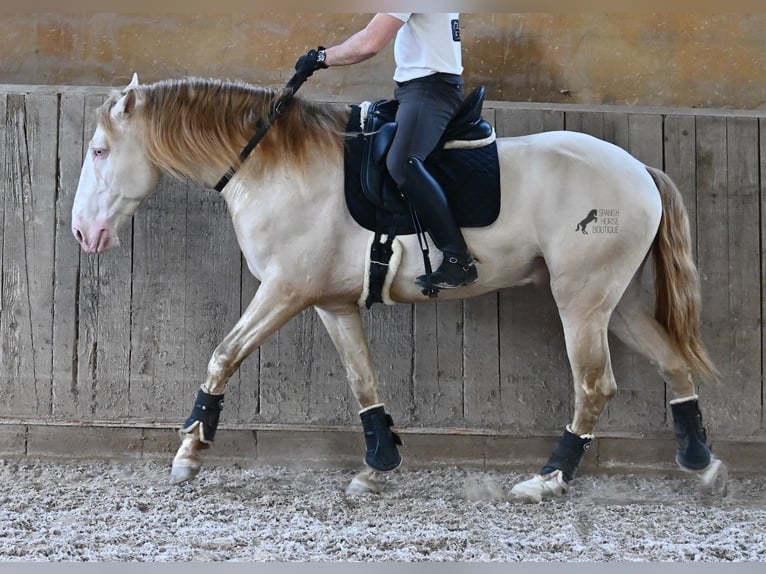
pixel 585 332
pixel 637 328
pixel 344 325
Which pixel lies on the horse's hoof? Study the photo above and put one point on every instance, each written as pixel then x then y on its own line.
pixel 715 478
pixel 365 482
pixel 179 474
pixel 539 487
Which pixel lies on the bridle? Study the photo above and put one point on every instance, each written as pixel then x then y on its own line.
pixel 263 126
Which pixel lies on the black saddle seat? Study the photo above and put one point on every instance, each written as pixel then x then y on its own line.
pixel 380 126
pixel 466 125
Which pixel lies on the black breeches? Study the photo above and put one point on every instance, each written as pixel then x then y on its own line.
pixel 426 106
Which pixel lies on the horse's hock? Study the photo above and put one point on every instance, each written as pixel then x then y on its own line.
pixel 106 351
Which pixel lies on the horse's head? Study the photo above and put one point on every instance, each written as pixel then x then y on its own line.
pixel 116 174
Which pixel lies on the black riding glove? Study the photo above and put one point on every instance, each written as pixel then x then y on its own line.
pixel 310 62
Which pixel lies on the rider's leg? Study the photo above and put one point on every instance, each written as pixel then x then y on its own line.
pixel 427 197
pixel 425 107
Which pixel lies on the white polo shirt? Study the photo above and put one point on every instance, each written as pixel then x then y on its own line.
pixel 427 44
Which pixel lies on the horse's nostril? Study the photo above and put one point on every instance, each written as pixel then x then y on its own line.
pixel 78 235
pixel 102 241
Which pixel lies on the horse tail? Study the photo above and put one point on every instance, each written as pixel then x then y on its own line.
pixel 676 282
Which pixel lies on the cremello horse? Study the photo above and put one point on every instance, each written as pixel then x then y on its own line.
pixel 195 129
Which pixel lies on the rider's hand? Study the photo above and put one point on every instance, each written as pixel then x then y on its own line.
pixel 310 62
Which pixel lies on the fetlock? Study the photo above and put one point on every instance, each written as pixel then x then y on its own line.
pixel 693 451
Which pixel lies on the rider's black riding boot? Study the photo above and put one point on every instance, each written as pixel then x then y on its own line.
pixel 430 203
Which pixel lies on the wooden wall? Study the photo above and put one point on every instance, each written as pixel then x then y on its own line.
pixel 123 338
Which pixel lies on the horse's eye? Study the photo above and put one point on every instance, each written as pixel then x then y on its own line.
pixel 99 153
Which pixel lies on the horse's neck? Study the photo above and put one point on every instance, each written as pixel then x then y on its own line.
pixel 277 210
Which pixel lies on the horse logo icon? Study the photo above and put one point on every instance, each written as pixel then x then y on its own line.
pixel 583 224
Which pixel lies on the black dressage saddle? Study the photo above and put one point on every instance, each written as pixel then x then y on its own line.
pixel 469 174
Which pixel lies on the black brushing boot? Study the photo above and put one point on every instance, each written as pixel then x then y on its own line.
pixel 427 197
pixel 693 451
pixel 206 412
pixel 568 454
pixel 554 478
pixel 382 452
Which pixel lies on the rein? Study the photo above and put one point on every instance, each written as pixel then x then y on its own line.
pixel 262 127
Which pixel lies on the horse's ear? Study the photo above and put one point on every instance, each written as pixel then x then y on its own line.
pixel 126 105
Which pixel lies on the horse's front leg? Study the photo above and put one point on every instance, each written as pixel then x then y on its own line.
pixel 344 325
pixel 268 311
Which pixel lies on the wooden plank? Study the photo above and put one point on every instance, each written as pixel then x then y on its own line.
pixel 5 155
pixel 18 391
pixel 616 129
pixel 157 345
pixel 640 400
pixel 645 138
pixel 512 123
pixel 727 211
pixel 762 131
pixel 591 123
pixel 84 363
pixel 41 116
pixel 329 398
pixel 535 384
pixel 680 164
pixel 738 401
pixel 481 351
pixel 302 379
pixel 481 371
pixel 66 396
pixel 535 379
pixel 213 269
pixel 390 332
pixel 283 387
pixel 105 315
pixel 437 382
